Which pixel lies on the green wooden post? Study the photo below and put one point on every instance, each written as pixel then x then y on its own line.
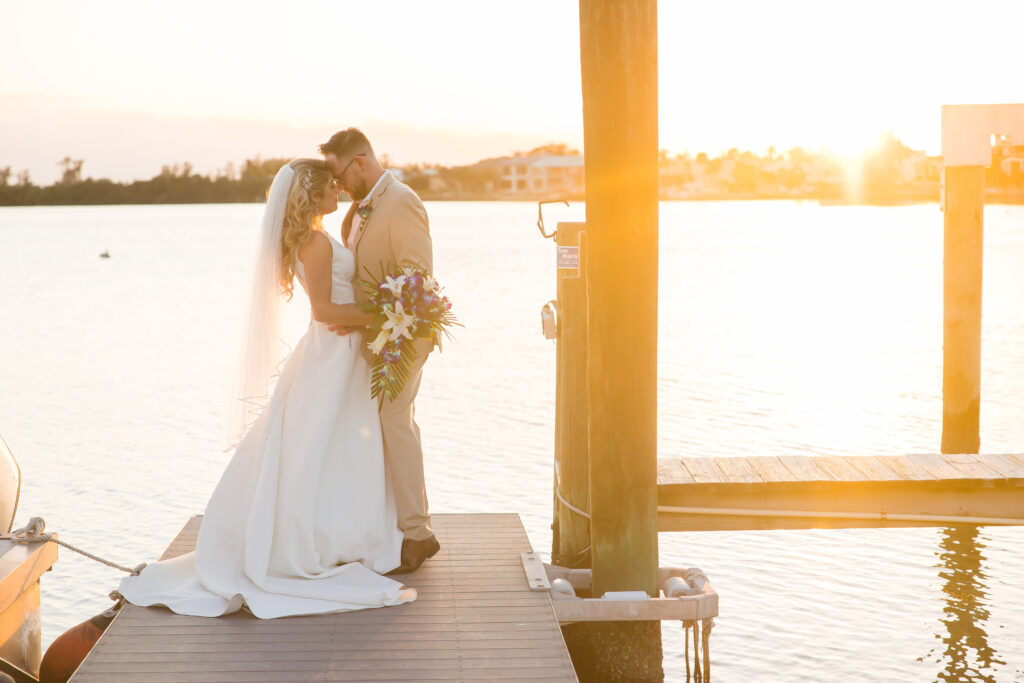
pixel 619 65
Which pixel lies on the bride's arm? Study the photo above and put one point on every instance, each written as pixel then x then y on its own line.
pixel 316 256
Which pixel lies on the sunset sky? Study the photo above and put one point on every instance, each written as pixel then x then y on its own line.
pixel 130 86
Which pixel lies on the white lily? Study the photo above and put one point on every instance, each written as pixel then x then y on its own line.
pixel 398 323
pixel 377 345
pixel 395 284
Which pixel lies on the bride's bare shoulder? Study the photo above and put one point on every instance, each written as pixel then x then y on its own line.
pixel 316 247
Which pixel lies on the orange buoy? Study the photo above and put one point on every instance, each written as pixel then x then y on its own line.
pixel 66 653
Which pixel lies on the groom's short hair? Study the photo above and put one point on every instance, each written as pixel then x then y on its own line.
pixel 346 143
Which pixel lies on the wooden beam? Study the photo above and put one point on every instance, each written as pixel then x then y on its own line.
pixel 572 470
pixel 961 330
pixel 619 60
pixel 21 566
pixel 686 608
pixel 619 68
pixel 922 500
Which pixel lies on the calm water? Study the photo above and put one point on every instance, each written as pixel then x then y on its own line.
pixel 785 328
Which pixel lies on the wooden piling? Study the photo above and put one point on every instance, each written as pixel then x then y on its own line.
pixel 619 66
pixel 570 546
pixel 961 338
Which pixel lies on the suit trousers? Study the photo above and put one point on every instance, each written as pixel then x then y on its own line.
pixel 403 456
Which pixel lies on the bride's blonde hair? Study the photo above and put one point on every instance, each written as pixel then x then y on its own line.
pixel 302 214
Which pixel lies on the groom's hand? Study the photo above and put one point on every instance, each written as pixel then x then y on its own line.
pixel 342 330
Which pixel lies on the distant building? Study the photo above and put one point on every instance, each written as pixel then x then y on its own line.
pixel 541 175
pixel 1012 159
pixel 512 174
pixel 557 175
pixel 919 167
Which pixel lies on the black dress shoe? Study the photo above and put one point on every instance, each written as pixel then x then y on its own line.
pixel 415 553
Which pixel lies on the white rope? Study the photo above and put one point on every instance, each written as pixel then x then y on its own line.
pixel 576 558
pixel 563 501
pixel 33 532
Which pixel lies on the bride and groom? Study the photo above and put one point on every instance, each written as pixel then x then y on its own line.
pixel 324 496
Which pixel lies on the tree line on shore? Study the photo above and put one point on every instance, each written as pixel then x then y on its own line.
pixel 890 172
pixel 176 184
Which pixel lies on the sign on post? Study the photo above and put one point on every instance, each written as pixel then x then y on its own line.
pixel 569 259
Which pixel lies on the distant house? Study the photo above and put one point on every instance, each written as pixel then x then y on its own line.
pixel 541 175
pixel 1012 160
pixel 919 167
pixel 557 176
pixel 512 172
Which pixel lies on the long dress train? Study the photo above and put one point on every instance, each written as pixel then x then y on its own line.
pixel 302 521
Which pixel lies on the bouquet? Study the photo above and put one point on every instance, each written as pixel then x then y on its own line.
pixel 407 305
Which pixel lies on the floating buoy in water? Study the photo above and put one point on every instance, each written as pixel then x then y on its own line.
pixel 66 653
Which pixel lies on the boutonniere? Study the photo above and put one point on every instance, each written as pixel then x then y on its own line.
pixel 364 212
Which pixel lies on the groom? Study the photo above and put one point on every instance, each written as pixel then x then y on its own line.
pixel 387 224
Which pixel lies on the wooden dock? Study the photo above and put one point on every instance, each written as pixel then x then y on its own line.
pixel 21 567
pixel 475 619
pixel 829 492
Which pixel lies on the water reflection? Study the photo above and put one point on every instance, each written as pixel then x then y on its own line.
pixel 967 655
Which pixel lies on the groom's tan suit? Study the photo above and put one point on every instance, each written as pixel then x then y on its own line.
pixel 395 233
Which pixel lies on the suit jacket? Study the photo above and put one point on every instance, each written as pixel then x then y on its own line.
pixel 395 233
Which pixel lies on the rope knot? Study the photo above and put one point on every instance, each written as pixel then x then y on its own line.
pixel 33 532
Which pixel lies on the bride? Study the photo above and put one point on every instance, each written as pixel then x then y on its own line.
pixel 302 521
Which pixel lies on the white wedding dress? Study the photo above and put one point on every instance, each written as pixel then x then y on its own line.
pixel 302 521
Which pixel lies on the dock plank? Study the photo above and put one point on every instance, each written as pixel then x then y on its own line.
pixel 770 468
pixel 738 470
pixel 804 469
pixel 972 466
pixel 475 619
pixel 873 469
pixel 838 468
pixel 672 469
pixel 703 470
pixel 907 468
pixel 936 465
pixel 835 492
pixel 1008 466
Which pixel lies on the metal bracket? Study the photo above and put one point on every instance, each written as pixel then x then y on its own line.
pixel 540 217
pixel 536 576
pixel 701 602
